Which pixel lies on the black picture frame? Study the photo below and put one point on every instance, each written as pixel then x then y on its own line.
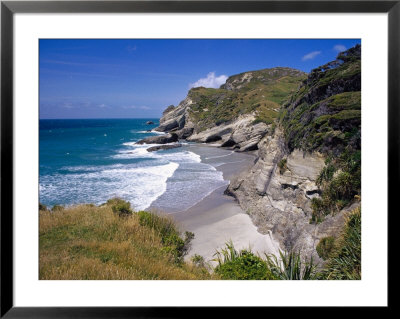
pixel 9 8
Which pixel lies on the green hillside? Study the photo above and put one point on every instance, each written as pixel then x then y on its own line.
pixel 262 92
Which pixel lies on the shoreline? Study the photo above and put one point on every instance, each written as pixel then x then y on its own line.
pixel 218 218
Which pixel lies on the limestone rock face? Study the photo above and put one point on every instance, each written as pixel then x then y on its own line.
pixel 174 118
pixel 280 201
pixel 241 134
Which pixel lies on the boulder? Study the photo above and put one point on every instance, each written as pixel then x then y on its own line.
pixel 149 122
pixel 163 147
pixel 162 139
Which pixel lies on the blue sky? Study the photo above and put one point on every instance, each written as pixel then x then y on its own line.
pixel 140 78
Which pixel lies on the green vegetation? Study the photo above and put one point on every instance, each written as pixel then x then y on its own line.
pixel 244 265
pixel 291 267
pixel 344 261
pixel 168 109
pixel 120 207
pixel 90 242
pixel 282 165
pixel 342 255
pixel 56 208
pixel 261 92
pixel 325 115
pixel 170 236
pixel 340 181
pixel 325 247
pixel 334 122
pixel 241 265
pixel 198 260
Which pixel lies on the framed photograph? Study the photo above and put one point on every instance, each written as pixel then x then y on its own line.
pixel 161 155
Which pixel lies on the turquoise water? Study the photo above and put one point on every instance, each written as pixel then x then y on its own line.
pixel 90 161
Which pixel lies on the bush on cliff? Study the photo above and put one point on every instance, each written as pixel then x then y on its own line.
pixel 120 206
pixel 57 208
pixel 169 233
pixel 325 247
pixel 325 115
pixel 340 181
pixel 344 261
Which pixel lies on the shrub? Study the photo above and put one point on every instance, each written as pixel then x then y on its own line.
pixel 198 260
pixel 240 265
pixel 170 235
pixel 57 208
pixel 282 165
pixel 326 174
pixel 340 181
pixel 325 247
pixel 344 262
pixel 42 207
pixel 120 206
pixel 290 267
pixel 319 209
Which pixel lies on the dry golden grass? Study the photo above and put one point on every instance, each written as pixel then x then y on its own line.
pixel 89 242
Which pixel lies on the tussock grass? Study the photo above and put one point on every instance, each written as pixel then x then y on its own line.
pixel 291 267
pixel 345 260
pixel 89 242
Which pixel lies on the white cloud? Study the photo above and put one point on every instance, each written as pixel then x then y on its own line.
pixel 211 81
pixel 131 48
pixel 311 55
pixel 135 107
pixel 339 48
pixel 67 105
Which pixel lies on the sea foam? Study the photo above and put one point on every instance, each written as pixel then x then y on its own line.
pixel 139 185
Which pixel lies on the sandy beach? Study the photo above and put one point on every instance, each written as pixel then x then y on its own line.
pixel 218 218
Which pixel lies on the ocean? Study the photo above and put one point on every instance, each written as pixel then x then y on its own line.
pixel 93 160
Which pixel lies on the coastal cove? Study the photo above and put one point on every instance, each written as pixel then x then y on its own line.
pixel 257 178
pixel 188 182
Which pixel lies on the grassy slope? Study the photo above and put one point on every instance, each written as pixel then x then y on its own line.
pixel 89 242
pixel 263 94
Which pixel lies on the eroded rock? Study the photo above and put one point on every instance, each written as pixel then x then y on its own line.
pixel 162 139
pixel 163 147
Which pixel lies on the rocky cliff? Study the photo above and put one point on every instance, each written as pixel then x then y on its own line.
pixel 308 173
pixel 307 133
pixel 238 114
